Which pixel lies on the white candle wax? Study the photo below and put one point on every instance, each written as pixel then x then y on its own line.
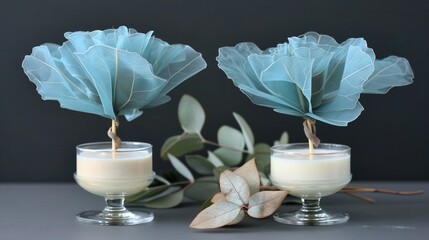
pixel 324 173
pixel 104 173
pixel 117 165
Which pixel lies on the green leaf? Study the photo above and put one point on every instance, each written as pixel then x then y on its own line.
pixel 284 139
pixel 162 180
pixel 263 155
pixel 207 203
pixel 246 131
pixel 191 114
pixel 200 191
pixel 200 164
pixel 167 201
pixel 232 139
pixel 249 172
pixel 147 193
pixel 181 168
pixel 265 181
pixel 229 157
pixel 267 170
pixel 214 159
pixel 217 171
pixel 263 204
pixel 217 215
pixel 234 187
pixel 181 145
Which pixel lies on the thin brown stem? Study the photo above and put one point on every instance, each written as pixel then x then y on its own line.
pixel 363 198
pixel 114 147
pixel 385 191
pixel 205 141
pixel 181 183
pixel 310 142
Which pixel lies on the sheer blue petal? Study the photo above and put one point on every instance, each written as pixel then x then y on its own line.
pixel 111 72
pixel 389 72
pixel 358 67
pixel 338 118
pixel 289 78
pixel 233 61
pixel 53 83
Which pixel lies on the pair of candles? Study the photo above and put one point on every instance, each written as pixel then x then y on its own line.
pixel 324 172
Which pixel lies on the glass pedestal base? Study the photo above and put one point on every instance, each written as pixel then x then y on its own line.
pixel 115 213
pixel 128 218
pixel 311 214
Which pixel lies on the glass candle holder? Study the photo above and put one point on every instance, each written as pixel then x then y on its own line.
pixel 114 175
pixel 310 177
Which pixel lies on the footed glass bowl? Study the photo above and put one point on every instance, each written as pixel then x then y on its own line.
pixel 310 176
pixel 114 191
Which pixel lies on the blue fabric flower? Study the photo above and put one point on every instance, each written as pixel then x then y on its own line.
pixel 112 72
pixel 313 76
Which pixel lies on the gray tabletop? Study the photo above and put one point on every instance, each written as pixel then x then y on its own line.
pixel 46 211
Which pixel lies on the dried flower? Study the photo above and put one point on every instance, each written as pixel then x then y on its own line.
pixel 313 76
pixel 111 72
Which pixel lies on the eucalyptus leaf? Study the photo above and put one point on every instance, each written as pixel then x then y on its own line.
pixel 191 114
pixel 181 145
pixel 265 181
pixel 214 159
pixel 218 197
pixel 262 155
pixel 230 137
pixel 238 218
pixel 246 131
pixel 207 203
pixel 147 193
pixel 284 139
pixel 162 180
pixel 267 170
pixel 200 191
pixel 217 215
pixel 167 201
pixel 181 168
pixel 200 164
pixel 235 188
pixel 229 157
pixel 249 172
pixel 263 204
pixel 217 171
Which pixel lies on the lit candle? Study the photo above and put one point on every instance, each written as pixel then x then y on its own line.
pixel 123 172
pixel 302 174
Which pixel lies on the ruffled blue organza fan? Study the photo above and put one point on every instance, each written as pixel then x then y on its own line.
pixel 112 72
pixel 313 76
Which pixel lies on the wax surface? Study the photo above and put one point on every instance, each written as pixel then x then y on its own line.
pixel 124 173
pixel 119 165
pixel 301 176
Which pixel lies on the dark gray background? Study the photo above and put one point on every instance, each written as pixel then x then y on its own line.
pixel 389 139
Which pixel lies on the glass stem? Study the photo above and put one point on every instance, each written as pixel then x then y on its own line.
pixel 114 205
pixel 311 205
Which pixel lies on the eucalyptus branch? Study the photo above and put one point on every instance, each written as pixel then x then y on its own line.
pixel 205 141
pixel 375 190
pixel 351 191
